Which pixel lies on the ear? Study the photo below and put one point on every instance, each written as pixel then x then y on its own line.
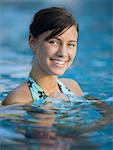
pixel 32 43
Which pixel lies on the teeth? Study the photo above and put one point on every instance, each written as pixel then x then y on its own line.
pixel 59 62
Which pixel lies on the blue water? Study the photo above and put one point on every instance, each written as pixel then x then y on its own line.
pixel 92 69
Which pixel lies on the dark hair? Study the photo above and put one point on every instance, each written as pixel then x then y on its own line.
pixel 53 18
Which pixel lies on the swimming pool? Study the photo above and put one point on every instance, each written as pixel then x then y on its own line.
pixel 92 68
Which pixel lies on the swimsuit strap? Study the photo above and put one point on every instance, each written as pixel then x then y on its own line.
pixel 64 89
pixel 39 95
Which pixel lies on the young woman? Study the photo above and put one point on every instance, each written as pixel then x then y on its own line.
pixel 53 40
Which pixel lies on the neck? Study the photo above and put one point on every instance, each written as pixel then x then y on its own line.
pixel 47 82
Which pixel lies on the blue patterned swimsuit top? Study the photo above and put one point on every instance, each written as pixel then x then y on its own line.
pixel 39 95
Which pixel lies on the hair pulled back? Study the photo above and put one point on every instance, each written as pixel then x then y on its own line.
pixel 54 18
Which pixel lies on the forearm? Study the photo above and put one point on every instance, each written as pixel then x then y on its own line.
pixel 105 109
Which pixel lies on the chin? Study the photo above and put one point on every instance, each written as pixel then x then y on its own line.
pixel 58 73
pixel 56 70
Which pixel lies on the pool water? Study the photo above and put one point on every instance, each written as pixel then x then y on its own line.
pixel 79 123
pixel 76 124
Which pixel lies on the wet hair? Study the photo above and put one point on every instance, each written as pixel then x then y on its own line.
pixel 55 19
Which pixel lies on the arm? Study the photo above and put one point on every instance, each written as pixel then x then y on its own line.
pixel 20 95
pixel 10 99
pixel 99 103
pixel 105 109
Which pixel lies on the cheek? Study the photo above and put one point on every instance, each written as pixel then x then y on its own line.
pixel 44 53
pixel 73 54
pixel 49 51
pixel 41 52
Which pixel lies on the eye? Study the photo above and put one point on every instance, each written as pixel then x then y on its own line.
pixel 53 42
pixel 71 45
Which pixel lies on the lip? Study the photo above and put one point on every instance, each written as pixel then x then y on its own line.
pixel 65 60
pixel 58 62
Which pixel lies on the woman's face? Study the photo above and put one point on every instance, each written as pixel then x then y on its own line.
pixel 55 55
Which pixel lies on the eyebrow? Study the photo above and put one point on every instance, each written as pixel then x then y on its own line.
pixel 68 41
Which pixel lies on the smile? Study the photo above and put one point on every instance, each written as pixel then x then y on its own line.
pixel 59 63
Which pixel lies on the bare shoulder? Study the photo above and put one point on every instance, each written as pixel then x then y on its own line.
pixel 20 95
pixel 73 86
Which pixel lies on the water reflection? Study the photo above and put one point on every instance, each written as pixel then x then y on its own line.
pixel 80 125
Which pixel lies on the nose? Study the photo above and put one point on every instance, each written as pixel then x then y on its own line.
pixel 62 51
